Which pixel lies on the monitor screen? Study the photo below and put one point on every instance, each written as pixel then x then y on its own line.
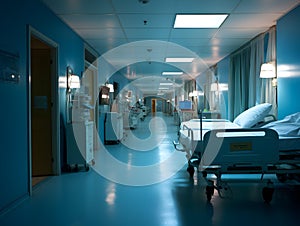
pixel 185 105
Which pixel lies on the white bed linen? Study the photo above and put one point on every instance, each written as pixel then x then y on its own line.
pixel 207 124
pixel 190 141
pixel 288 130
pixel 287 127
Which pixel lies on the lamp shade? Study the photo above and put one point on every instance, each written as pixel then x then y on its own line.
pixel 74 81
pixel 267 70
pixel 214 87
pixel 111 87
pixel 196 93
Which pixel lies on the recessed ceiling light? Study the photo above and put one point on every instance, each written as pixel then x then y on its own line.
pixel 199 20
pixel 179 59
pixel 166 84
pixel 172 73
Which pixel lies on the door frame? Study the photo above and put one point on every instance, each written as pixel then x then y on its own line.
pixel 93 66
pixel 55 112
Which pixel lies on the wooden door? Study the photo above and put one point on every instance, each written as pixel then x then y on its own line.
pixel 41 104
pixel 153 105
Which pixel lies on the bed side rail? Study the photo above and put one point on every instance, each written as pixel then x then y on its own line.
pixel 190 134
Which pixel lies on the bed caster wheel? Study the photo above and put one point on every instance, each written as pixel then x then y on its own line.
pixel 191 170
pixel 267 192
pixel 210 190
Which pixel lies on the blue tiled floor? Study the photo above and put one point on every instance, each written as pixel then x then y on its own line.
pixel 89 199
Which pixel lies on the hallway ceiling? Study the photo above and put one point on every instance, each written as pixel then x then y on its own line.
pixel 127 24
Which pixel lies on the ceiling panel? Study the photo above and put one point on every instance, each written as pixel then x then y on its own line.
pixel 191 41
pixel 145 34
pixel 175 6
pixel 101 33
pixel 237 33
pixel 152 20
pixel 154 6
pixel 91 21
pixel 192 33
pixel 104 45
pixel 80 6
pixel 204 6
pixel 265 6
pixel 252 20
pixel 143 39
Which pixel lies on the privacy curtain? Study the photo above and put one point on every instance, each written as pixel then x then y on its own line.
pixel 269 91
pixel 239 75
pixel 246 88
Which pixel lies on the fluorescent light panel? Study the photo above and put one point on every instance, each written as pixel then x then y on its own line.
pixel 166 84
pixel 179 59
pixel 172 73
pixel 199 20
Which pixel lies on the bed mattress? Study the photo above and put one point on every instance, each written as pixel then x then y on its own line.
pixel 190 142
pixel 210 124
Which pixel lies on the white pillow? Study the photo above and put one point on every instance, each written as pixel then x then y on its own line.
pixel 253 115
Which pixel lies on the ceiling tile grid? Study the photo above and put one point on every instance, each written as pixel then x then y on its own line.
pixel 112 26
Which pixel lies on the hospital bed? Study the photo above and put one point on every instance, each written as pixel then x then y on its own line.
pixel 215 146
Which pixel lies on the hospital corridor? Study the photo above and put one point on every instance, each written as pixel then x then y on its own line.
pixel 87 198
pixel 149 113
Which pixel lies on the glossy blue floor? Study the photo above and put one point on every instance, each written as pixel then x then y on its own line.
pixel 92 198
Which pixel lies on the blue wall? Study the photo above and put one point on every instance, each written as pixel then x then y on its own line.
pixel 15 15
pixel 288 63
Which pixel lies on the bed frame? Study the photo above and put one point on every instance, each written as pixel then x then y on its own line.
pixel 238 151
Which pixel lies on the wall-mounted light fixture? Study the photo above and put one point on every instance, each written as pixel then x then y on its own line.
pixel 196 93
pixel 214 87
pixel 111 87
pixel 267 70
pixel 73 81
